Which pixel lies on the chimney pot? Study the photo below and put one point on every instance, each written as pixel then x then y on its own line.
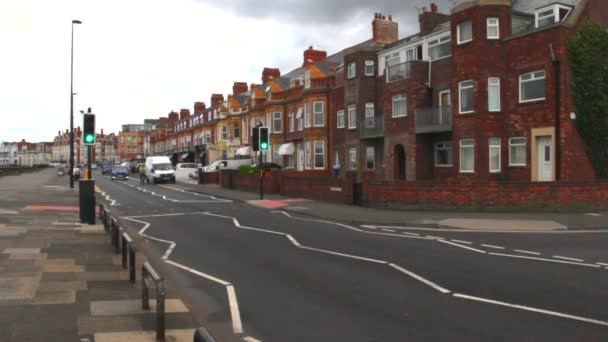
pixel 423 9
pixel 434 8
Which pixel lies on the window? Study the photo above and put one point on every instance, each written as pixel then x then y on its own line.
pixel 269 122
pixel 494 144
pixel 465 97
pixel 464 32
pixel 399 105
pixel 550 15
pixel 532 86
pixel 319 114
pixel 276 157
pixel 410 54
pixel 352 158
pixel 340 118
pixel 370 158
pixel 336 157
pixel 492 30
pixel 290 161
pixel 517 151
pixel 291 120
pixel 235 130
pixel 443 153
pixel 391 60
pixel 494 94
pixel 467 155
pixel 307 114
pixel 319 154
pixel 299 118
pixel 307 155
pixel 277 122
pixel 369 68
pixel 370 112
pixel 439 48
pixel 352 116
pixel 351 72
pixel 307 79
pixel 224 132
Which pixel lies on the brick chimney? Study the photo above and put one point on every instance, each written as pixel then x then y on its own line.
pixel 102 131
pixel 270 73
pixel 313 55
pixel 199 107
pixel 430 20
pixel 216 99
pixel 184 113
pixel 384 31
pixel 173 117
pixel 239 87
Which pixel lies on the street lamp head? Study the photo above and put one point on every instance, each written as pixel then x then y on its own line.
pixel 76 22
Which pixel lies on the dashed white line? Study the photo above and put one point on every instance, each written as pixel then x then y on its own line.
pixel 528 308
pixel 544 259
pixel 461 246
pixel 419 278
pixel 434 237
pixel 412 234
pixel 388 230
pixel 602 264
pixel 526 252
pixel 461 241
pixel 492 246
pixel 566 258
pixel 250 339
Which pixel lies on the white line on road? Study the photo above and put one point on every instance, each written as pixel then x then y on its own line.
pixel 434 237
pixel 198 273
pixel 412 234
pixel 566 258
pixel 294 241
pixel 321 221
pixel 461 246
pixel 602 264
pixel 388 230
pixel 461 241
pixel 237 326
pixel 468 231
pixel 168 252
pixel 526 252
pixel 593 214
pixel 250 339
pixel 419 278
pixel 492 246
pixel 543 259
pixel 528 308
pixel 344 255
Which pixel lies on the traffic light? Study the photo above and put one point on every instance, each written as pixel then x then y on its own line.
pixel 256 138
pixel 88 135
pixel 264 142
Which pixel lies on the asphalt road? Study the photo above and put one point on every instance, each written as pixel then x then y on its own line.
pixel 263 275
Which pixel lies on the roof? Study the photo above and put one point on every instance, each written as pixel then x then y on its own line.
pixel 529 6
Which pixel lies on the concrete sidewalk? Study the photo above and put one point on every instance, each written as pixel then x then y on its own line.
pixel 59 280
pixel 427 219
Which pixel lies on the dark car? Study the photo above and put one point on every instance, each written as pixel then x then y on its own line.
pixel 120 172
pixel 106 167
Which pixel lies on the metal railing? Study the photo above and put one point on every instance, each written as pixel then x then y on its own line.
pixel 434 119
pixel 114 234
pixel 371 127
pixel 149 274
pixel 128 249
pixel 202 335
pixel 399 71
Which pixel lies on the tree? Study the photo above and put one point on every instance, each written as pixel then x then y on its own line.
pixel 588 55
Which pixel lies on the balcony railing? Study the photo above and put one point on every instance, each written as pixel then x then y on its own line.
pixel 371 128
pixel 434 119
pixel 398 72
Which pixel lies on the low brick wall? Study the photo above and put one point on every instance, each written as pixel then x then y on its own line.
pixel 17 170
pixel 210 178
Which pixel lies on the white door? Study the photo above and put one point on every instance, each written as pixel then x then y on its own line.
pixel 300 157
pixel 545 159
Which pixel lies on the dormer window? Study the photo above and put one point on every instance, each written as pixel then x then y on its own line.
pixel 351 72
pixel 552 14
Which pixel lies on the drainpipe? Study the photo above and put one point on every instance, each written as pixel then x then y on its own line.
pixel 558 102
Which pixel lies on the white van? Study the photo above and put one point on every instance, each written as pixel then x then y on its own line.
pixel 224 164
pixel 159 169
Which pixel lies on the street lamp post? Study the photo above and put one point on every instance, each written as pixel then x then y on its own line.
pixel 72 106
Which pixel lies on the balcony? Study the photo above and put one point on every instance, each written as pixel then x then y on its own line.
pixel 372 128
pixel 398 72
pixel 434 119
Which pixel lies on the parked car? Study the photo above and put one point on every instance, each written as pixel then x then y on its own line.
pixel 159 169
pixel 120 172
pixel 106 167
pixel 182 170
pixel 93 166
pixel 60 171
pixel 76 173
pixel 224 164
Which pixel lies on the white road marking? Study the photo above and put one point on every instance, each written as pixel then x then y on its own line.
pixel 543 259
pixel 461 246
pixel 468 231
pixel 250 339
pixel 388 230
pixel 526 252
pixel 461 241
pixel 434 237
pixel 159 215
pixel 103 193
pixel 528 308
pixel 593 214
pixel 419 278
pixel 164 197
pixel 196 194
pixel 566 258
pixel 237 326
pixel 602 264
pixel 343 255
pixel 321 221
pixel 294 241
pixel 198 273
pixel 168 252
pixel 492 246
pixel 412 234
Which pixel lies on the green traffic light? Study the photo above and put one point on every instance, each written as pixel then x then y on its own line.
pixel 89 138
pixel 264 146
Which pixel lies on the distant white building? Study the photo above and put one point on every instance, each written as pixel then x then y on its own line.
pixel 9 154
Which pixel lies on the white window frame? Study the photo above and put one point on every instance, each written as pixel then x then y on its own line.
pixel 321 114
pixel 435 42
pixel 307 154
pixel 307 79
pixel 224 133
pixel 307 114
pixel 491 23
pixel 533 78
pixel 300 118
pixel 352 70
pixel 460 89
pixel 340 119
pixel 414 54
pixel 369 63
pixel 373 155
pixel 352 151
pixel 291 120
pixel 494 83
pixel 238 128
pixel 555 8
pixel 511 145
pixel 352 120
pixel 274 122
pixel 444 146
pixel 399 97
pixel 317 143
pixel 471 146
pixel 494 143
pixel 458 34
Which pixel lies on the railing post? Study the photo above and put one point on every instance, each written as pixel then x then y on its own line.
pixel 202 335
pixel 160 311
pixel 123 248
pixel 145 297
pixel 115 235
pixel 132 263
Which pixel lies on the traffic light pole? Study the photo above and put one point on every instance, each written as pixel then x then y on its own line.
pixel 89 155
pixel 261 177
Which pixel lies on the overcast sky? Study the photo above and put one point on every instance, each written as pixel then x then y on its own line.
pixel 138 59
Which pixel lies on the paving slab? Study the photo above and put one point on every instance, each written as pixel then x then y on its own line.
pixel 125 307
pixel 145 336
